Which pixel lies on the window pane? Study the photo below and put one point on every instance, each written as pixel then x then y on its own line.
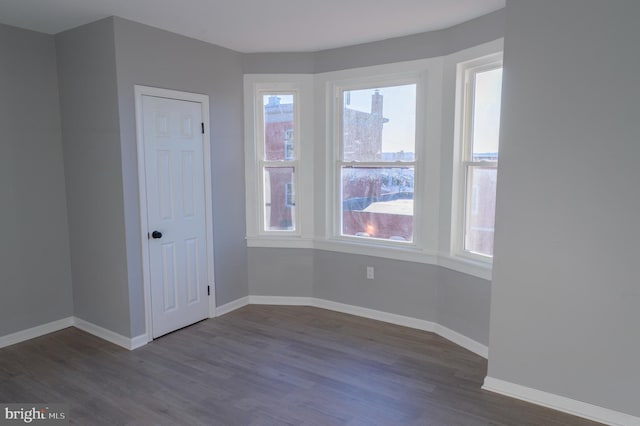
pixel 279 199
pixel 481 209
pixel 486 115
pixel 378 202
pixel 379 124
pixel 278 126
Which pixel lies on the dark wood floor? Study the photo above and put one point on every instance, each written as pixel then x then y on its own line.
pixel 266 365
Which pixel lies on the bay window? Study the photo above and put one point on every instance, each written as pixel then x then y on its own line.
pixel 396 160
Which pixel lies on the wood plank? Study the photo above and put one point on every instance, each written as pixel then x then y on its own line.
pixel 266 365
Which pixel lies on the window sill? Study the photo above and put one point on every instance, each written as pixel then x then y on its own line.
pixel 407 253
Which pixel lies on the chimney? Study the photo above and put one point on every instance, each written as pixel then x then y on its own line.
pixel 376 103
pixel 274 101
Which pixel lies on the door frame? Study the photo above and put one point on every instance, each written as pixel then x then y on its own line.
pixel 141 91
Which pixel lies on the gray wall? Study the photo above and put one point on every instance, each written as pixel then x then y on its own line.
pixel 92 161
pixel 152 57
pixel 418 46
pixel 35 271
pixel 565 295
pixel 279 62
pixel 432 293
pixel 403 288
pixel 281 272
pixel 464 304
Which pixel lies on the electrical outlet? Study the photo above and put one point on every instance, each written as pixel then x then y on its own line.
pixel 369 272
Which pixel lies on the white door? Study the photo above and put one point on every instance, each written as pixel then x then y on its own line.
pixel 176 215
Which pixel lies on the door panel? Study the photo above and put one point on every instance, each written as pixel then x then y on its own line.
pixel 173 146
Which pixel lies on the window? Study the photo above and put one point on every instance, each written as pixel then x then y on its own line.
pixel 279 160
pixel 278 163
pixel 377 162
pixel 396 160
pixel 479 152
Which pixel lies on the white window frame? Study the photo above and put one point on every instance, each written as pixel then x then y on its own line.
pixel 427 75
pixel 264 164
pixel 465 73
pixel 339 162
pixel 301 87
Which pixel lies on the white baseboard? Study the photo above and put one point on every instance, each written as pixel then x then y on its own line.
pixel 138 341
pixel 33 332
pixel 453 336
pixel 462 340
pixel 231 306
pixel 560 403
pixel 420 324
pixel 281 300
pixel 110 336
pixel 375 314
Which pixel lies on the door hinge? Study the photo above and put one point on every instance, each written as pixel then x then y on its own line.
pixel 202 128
pixel 208 290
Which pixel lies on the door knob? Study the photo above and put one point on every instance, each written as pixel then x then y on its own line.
pixel 156 234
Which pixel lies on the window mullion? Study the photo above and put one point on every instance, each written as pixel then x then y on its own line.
pixel 385 165
pixel 287 163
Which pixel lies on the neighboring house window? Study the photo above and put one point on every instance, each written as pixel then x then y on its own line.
pixel 289 195
pixel 481 86
pixel 277 159
pixel 288 145
pixel 376 161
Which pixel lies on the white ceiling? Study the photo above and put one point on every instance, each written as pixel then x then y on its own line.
pixel 257 25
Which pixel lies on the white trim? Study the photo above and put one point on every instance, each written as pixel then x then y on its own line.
pixel 462 140
pixel 129 343
pixel 50 327
pixel 462 340
pixel 141 91
pixel 281 300
pixel 419 324
pixel 426 75
pixel 137 342
pixel 402 320
pixel 416 323
pixel 560 403
pixel 37 331
pixel 262 164
pixel 302 86
pixel 232 306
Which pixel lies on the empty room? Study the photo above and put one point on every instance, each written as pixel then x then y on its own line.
pixel 319 213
